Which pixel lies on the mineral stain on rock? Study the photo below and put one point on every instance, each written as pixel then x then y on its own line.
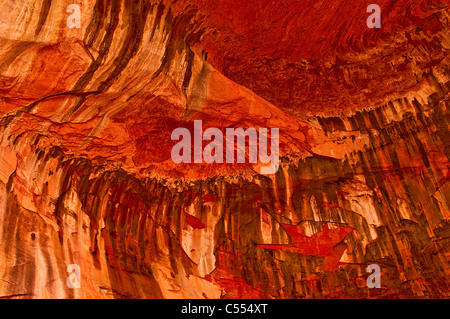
pixel 86 176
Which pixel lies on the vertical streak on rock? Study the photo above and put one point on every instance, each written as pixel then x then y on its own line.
pixel 43 15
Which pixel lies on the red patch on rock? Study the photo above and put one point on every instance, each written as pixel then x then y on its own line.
pixel 208 198
pixel 194 222
pixel 320 244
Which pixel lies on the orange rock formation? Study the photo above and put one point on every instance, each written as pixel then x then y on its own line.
pixel 86 175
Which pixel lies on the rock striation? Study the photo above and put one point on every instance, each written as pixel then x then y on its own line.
pixel 86 175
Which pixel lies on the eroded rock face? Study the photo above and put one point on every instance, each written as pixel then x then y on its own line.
pixel 86 175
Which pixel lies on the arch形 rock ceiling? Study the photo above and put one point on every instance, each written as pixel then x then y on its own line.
pixel 86 175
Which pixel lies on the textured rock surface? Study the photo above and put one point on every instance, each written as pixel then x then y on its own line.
pixel 86 175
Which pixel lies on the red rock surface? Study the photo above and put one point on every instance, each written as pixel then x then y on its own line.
pixel 86 175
